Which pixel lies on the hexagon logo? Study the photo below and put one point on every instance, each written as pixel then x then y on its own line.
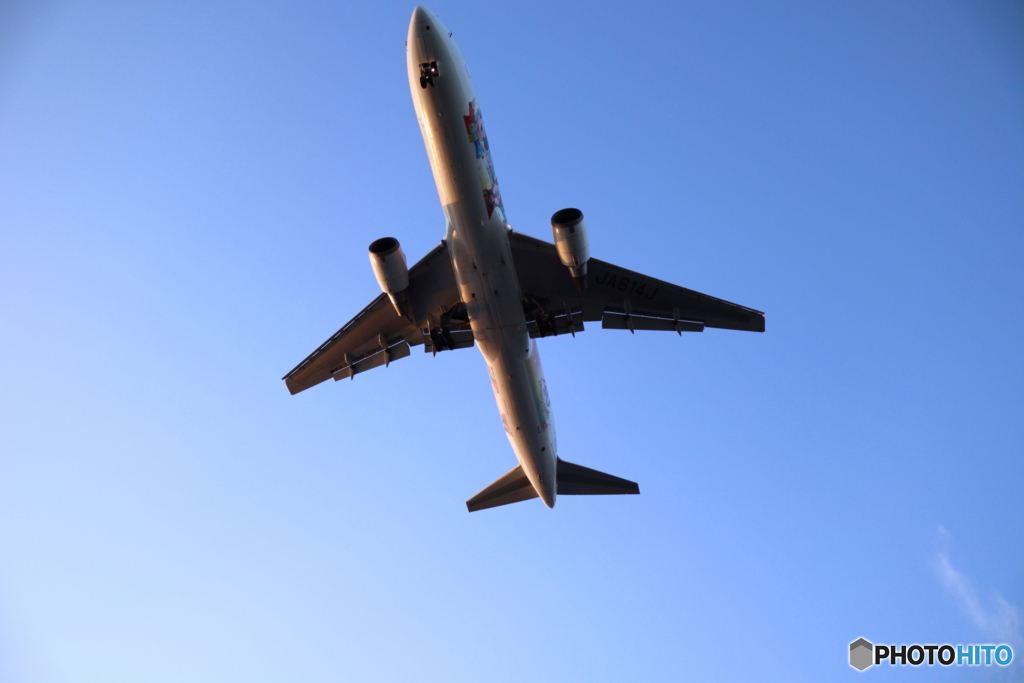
pixel 862 654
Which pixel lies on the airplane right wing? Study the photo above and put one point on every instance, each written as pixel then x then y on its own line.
pixel 378 335
pixel 619 298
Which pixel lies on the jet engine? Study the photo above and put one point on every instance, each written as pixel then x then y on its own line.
pixel 571 241
pixel 391 271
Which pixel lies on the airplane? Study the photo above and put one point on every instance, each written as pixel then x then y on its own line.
pixel 489 286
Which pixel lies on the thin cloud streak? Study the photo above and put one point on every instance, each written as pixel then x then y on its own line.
pixel 1002 622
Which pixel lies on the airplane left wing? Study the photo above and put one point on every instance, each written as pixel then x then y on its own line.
pixel 378 335
pixel 619 298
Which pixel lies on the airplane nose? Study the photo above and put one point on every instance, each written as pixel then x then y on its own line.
pixel 422 43
pixel 420 15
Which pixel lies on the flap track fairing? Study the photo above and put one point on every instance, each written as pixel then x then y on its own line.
pixel 382 356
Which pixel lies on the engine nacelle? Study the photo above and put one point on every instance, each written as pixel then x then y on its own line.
pixel 571 241
pixel 388 262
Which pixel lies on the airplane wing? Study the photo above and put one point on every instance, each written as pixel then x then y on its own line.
pixel 619 298
pixel 378 335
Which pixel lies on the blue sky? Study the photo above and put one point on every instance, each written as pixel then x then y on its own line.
pixel 187 191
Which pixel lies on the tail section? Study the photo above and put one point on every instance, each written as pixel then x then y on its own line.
pixel 576 480
pixel 573 480
pixel 511 487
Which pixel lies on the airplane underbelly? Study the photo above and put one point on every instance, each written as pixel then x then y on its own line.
pixel 521 394
pixel 477 235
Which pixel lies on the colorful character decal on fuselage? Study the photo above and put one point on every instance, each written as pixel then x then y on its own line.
pixel 485 167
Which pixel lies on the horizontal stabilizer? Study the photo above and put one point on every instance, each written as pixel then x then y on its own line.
pixel 511 487
pixel 576 480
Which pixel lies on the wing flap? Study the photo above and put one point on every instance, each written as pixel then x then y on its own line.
pixel 454 339
pixel 612 320
pixel 383 356
pixel 543 323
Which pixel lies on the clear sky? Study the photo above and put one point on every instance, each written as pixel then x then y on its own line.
pixel 187 191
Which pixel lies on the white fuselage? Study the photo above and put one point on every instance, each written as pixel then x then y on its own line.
pixel 477 237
